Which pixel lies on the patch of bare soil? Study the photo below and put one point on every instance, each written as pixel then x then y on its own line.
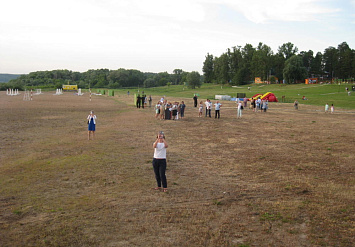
pixel 280 178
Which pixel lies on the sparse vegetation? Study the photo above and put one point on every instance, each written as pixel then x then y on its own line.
pixel 231 182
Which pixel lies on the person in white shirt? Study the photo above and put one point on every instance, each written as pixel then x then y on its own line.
pixel 259 104
pixel 208 105
pixel 239 109
pixel 217 107
pixel 159 161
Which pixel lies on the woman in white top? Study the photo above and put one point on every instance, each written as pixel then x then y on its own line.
pixel 239 109
pixel 159 161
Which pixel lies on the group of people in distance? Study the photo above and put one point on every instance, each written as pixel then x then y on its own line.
pixel 259 105
pixel 326 108
pixel 165 110
pixel 208 108
pixel 143 100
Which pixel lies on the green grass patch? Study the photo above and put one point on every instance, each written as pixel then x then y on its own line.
pixel 315 94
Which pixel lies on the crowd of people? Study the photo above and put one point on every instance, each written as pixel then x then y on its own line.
pixel 165 110
pixel 259 105
pixel 143 100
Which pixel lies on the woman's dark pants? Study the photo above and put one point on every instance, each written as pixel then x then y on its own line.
pixel 159 166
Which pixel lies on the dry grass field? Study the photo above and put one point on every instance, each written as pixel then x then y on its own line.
pixel 281 178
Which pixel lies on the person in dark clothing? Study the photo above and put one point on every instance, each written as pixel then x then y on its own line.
pixel 167 111
pixel 143 100
pixel 138 102
pixel 182 109
pixel 195 100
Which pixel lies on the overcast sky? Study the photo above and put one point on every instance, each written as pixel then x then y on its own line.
pixel 160 35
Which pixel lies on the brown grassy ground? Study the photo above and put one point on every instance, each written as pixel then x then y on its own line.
pixel 283 178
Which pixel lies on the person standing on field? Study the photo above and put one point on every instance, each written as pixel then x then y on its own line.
pixel 217 107
pixel 182 109
pixel 159 162
pixel 195 100
pixel 143 99
pixel 208 105
pixel 200 109
pixel 138 102
pixel 91 125
pixel 239 109
pixel 150 100
pixel 157 110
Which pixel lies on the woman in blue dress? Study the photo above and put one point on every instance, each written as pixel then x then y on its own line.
pixel 91 124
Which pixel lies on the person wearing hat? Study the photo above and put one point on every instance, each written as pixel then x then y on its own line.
pixel 91 124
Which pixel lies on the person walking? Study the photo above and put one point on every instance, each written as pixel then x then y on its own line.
pixel 326 108
pixel 295 104
pixel 217 107
pixel 91 125
pixel 332 108
pixel 159 162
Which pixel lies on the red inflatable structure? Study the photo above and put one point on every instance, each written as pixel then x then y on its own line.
pixel 267 96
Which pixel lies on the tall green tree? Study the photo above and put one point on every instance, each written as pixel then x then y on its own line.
pixel 177 75
pixel 277 66
pixel 235 63
pixel 307 58
pixel 207 68
pixel 344 66
pixel 317 66
pixel 330 60
pixel 194 80
pixel 294 70
pixel 287 50
pixel 245 70
pixel 261 62
pixel 221 69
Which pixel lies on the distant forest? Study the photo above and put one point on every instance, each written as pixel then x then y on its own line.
pixel 237 66
pixel 7 77
pixel 240 65
pixel 103 78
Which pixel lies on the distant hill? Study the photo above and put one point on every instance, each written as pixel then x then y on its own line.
pixel 7 77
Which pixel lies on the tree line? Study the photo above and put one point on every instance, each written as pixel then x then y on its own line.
pixel 240 65
pixel 237 66
pixel 103 78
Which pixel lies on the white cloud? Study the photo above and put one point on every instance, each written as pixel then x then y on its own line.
pixel 259 11
pixel 141 34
